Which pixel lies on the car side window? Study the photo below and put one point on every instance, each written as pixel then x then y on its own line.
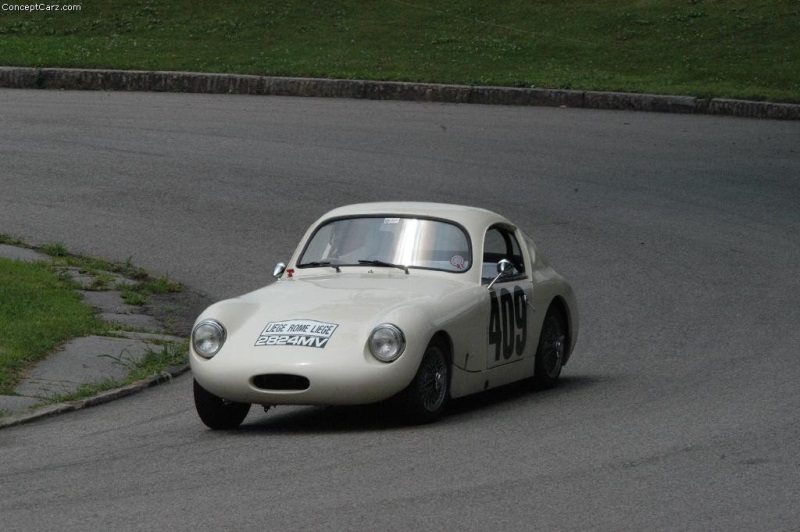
pixel 500 243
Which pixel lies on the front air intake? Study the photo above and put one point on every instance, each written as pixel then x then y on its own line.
pixel 281 382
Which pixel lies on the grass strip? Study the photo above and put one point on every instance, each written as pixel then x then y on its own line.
pixel 709 48
pixel 38 312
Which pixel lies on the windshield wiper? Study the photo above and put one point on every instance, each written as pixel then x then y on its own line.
pixel 382 263
pixel 318 264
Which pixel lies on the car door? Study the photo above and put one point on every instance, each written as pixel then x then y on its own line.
pixel 509 315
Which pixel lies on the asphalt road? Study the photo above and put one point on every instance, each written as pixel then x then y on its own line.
pixel 680 409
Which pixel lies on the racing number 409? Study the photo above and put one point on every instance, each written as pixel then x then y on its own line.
pixel 508 323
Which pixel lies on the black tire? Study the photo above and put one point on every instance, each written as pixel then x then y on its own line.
pixel 425 398
pixel 217 413
pixel 551 351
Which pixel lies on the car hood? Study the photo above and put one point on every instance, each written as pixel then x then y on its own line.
pixel 323 311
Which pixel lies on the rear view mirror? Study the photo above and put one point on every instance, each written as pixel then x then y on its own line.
pixel 504 267
pixel 278 270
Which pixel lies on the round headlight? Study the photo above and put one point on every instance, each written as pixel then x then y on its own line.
pixel 208 337
pixel 386 342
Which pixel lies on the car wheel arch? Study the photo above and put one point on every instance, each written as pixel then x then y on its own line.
pixel 442 339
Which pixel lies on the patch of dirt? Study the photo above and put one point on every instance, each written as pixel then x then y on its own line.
pixel 177 311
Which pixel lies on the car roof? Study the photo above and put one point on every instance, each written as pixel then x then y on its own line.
pixel 472 218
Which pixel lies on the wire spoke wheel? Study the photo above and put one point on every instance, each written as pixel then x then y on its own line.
pixel 433 382
pixel 425 398
pixel 551 351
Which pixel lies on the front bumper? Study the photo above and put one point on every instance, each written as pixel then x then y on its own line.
pixel 301 376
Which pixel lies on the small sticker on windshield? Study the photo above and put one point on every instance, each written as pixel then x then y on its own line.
pixel 458 262
pixel 391 220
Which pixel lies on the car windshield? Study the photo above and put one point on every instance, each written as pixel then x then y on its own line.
pixel 389 241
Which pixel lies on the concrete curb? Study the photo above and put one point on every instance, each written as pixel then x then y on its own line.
pixel 98 399
pixel 134 80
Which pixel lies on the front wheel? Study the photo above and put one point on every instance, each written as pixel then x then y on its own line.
pixel 551 351
pixel 426 397
pixel 217 413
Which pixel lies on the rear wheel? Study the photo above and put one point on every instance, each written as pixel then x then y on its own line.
pixel 552 349
pixel 218 413
pixel 425 398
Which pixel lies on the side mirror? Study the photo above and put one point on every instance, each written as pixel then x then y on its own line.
pixel 278 270
pixel 504 267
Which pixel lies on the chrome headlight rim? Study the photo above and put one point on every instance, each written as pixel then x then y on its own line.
pixel 208 331
pixel 386 342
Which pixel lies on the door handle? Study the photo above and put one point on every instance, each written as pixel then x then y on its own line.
pixel 528 302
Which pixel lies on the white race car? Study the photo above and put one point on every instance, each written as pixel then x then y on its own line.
pixel 418 302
